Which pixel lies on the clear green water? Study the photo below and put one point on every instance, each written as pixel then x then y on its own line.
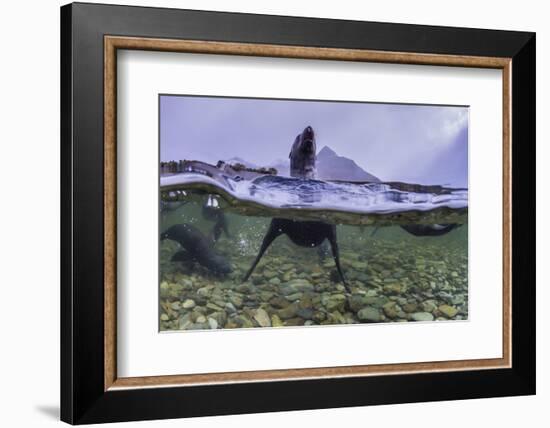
pixel 393 277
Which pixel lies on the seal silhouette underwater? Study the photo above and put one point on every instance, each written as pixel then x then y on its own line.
pixel 303 233
pixel 196 248
pixel 424 229
pixel 429 229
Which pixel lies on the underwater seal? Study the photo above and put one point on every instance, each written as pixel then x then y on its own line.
pixel 424 229
pixel 303 233
pixel 196 247
pixel 429 229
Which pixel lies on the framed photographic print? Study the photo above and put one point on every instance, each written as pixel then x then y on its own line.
pixel 278 213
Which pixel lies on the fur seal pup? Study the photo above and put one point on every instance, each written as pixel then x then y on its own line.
pixel 424 229
pixel 429 229
pixel 303 233
pixel 196 247
pixel 303 155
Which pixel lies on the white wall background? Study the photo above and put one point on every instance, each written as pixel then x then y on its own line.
pixel 29 225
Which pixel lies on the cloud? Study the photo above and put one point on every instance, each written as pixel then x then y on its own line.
pixel 448 123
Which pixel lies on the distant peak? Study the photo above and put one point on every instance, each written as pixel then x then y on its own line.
pixel 327 151
pixel 236 159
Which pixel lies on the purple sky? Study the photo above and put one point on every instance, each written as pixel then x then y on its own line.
pixel 411 143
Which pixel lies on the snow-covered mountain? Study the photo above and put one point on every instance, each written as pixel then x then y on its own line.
pixel 236 159
pixel 330 166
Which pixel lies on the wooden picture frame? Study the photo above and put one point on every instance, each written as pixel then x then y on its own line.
pixel 91 390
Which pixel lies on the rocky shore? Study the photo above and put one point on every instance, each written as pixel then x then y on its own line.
pixel 391 281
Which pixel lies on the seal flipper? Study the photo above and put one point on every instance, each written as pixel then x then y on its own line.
pixel 273 232
pixel 182 256
pixel 219 226
pixel 223 222
pixel 215 233
pixel 322 251
pixel 336 255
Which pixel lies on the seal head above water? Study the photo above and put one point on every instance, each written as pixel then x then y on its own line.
pixel 303 155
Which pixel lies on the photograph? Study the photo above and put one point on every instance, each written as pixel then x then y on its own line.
pixel 297 213
pixel 279 211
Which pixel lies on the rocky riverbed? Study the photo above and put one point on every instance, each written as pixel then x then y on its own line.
pixel 391 280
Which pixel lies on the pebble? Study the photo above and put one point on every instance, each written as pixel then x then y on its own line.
pixel 243 288
pixel 305 313
pixel 219 317
pixel 422 316
pixel 288 312
pixel 359 265
pixel 448 311
pixel 262 318
pixel 269 274
pixel 294 296
pixel 299 285
pixel 410 307
pixel 393 288
pixel 335 302
pixel 337 318
pixel 185 322
pixel 276 321
pixel 229 307
pixel 369 314
pixel 295 321
pixel 188 304
pixel 390 310
pixel 236 300
pixel 458 300
pixel 428 306
pixel 243 321
pixel 279 302
pixel 213 307
pixel 203 292
pixel 212 323
pixel 356 302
